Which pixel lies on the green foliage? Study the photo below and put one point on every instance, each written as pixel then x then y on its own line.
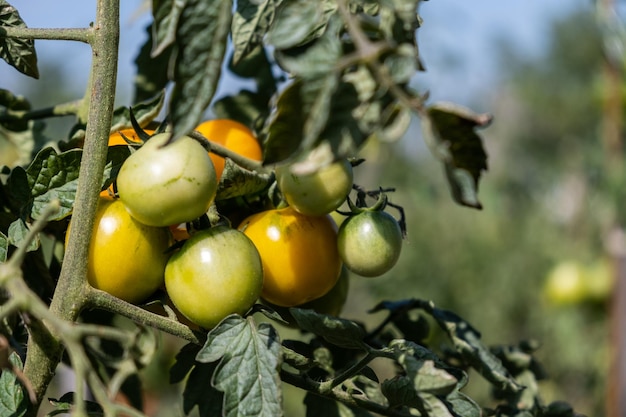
pixel 12 398
pixel 19 53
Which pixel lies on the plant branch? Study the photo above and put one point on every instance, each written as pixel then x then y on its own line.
pixel 64 109
pixel 102 300
pixel 64 34
pixel 348 373
pixel 216 148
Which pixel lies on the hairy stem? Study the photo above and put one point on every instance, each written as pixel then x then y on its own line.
pixel 64 34
pixel 45 351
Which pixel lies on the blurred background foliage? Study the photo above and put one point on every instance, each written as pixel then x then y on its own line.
pixel 547 202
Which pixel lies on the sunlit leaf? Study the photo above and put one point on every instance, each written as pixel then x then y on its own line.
pixel 201 45
pixel 19 53
pixel 144 113
pixel 18 230
pixel 250 23
pixel 247 373
pixel 13 402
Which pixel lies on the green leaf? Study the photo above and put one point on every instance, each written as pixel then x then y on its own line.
pixel 449 130
pixel 13 402
pixel 245 107
pixel 340 332
pixel 167 14
pixel 152 71
pixel 295 22
pixel 237 181
pixel 54 176
pixel 65 404
pixel 144 113
pixel 316 58
pixel 250 24
pixel 463 405
pixel 116 155
pixel 400 391
pixel 247 373
pixel 201 42
pixel 19 53
pixel 18 192
pixel 4 247
pixel 185 361
pixel 18 230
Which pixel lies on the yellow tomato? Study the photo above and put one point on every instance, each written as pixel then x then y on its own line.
pixel 126 258
pixel 299 254
pixel 232 135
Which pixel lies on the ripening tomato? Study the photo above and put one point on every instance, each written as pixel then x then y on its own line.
pixel 126 258
pixel 166 185
pixel 370 242
pixel 217 272
pixel 233 136
pixel 299 254
pixel 319 192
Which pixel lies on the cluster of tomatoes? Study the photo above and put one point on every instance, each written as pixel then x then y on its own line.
pixel 289 256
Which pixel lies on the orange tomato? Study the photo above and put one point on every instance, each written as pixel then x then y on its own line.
pixel 232 135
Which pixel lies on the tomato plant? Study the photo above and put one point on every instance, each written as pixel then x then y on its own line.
pixel 318 81
pixel 319 192
pixel 163 185
pixel 217 272
pixel 299 254
pixel 126 258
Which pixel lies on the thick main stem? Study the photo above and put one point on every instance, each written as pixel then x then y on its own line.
pixel 44 351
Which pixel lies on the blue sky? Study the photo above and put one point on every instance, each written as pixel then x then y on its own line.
pixel 457 40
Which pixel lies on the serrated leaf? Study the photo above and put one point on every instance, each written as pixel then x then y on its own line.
pixel 250 24
pixel 199 391
pixel 13 402
pixel 340 332
pixel 449 131
pixel 237 181
pixel 294 22
pixel 4 247
pixel 17 234
pixel 54 176
pixel 247 373
pixel 19 53
pixel 201 43
pixel 144 113
pixel 467 342
pixel 167 14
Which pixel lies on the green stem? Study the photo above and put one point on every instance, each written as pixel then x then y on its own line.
pixel 64 109
pixel 353 370
pixel 45 351
pixel 216 148
pixel 64 34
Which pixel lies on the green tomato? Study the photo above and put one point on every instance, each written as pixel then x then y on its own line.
pixel 217 272
pixel 369 243
pixel 166 185
pixel 317 193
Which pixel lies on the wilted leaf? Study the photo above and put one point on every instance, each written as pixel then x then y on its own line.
pixel 340 332
pixel 247 373
pixel 201 45
pixel 237 181
pixel 449 130
pixel 19 53
pixel 13 402
pixel 54 176
pixel 250 23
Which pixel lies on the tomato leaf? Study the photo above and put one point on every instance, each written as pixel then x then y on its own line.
pixel 246 107
pixel 53 176
pixel 320 406
pixel 152 71
pixel 250 24
pixel 19 53
pixel 13 402
pixel 199 391
pixel 298 22
pixel 4 247
pixel 449 131
pixel 18 192
pixel 237 181
pixel 247 372
pixel 65 404
pixel 201 45
pixel 185 361
pixel 463 405
pixel 167 14
pixel 340 332
pixel 144 113
pixel 116 155
pixel 18 230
